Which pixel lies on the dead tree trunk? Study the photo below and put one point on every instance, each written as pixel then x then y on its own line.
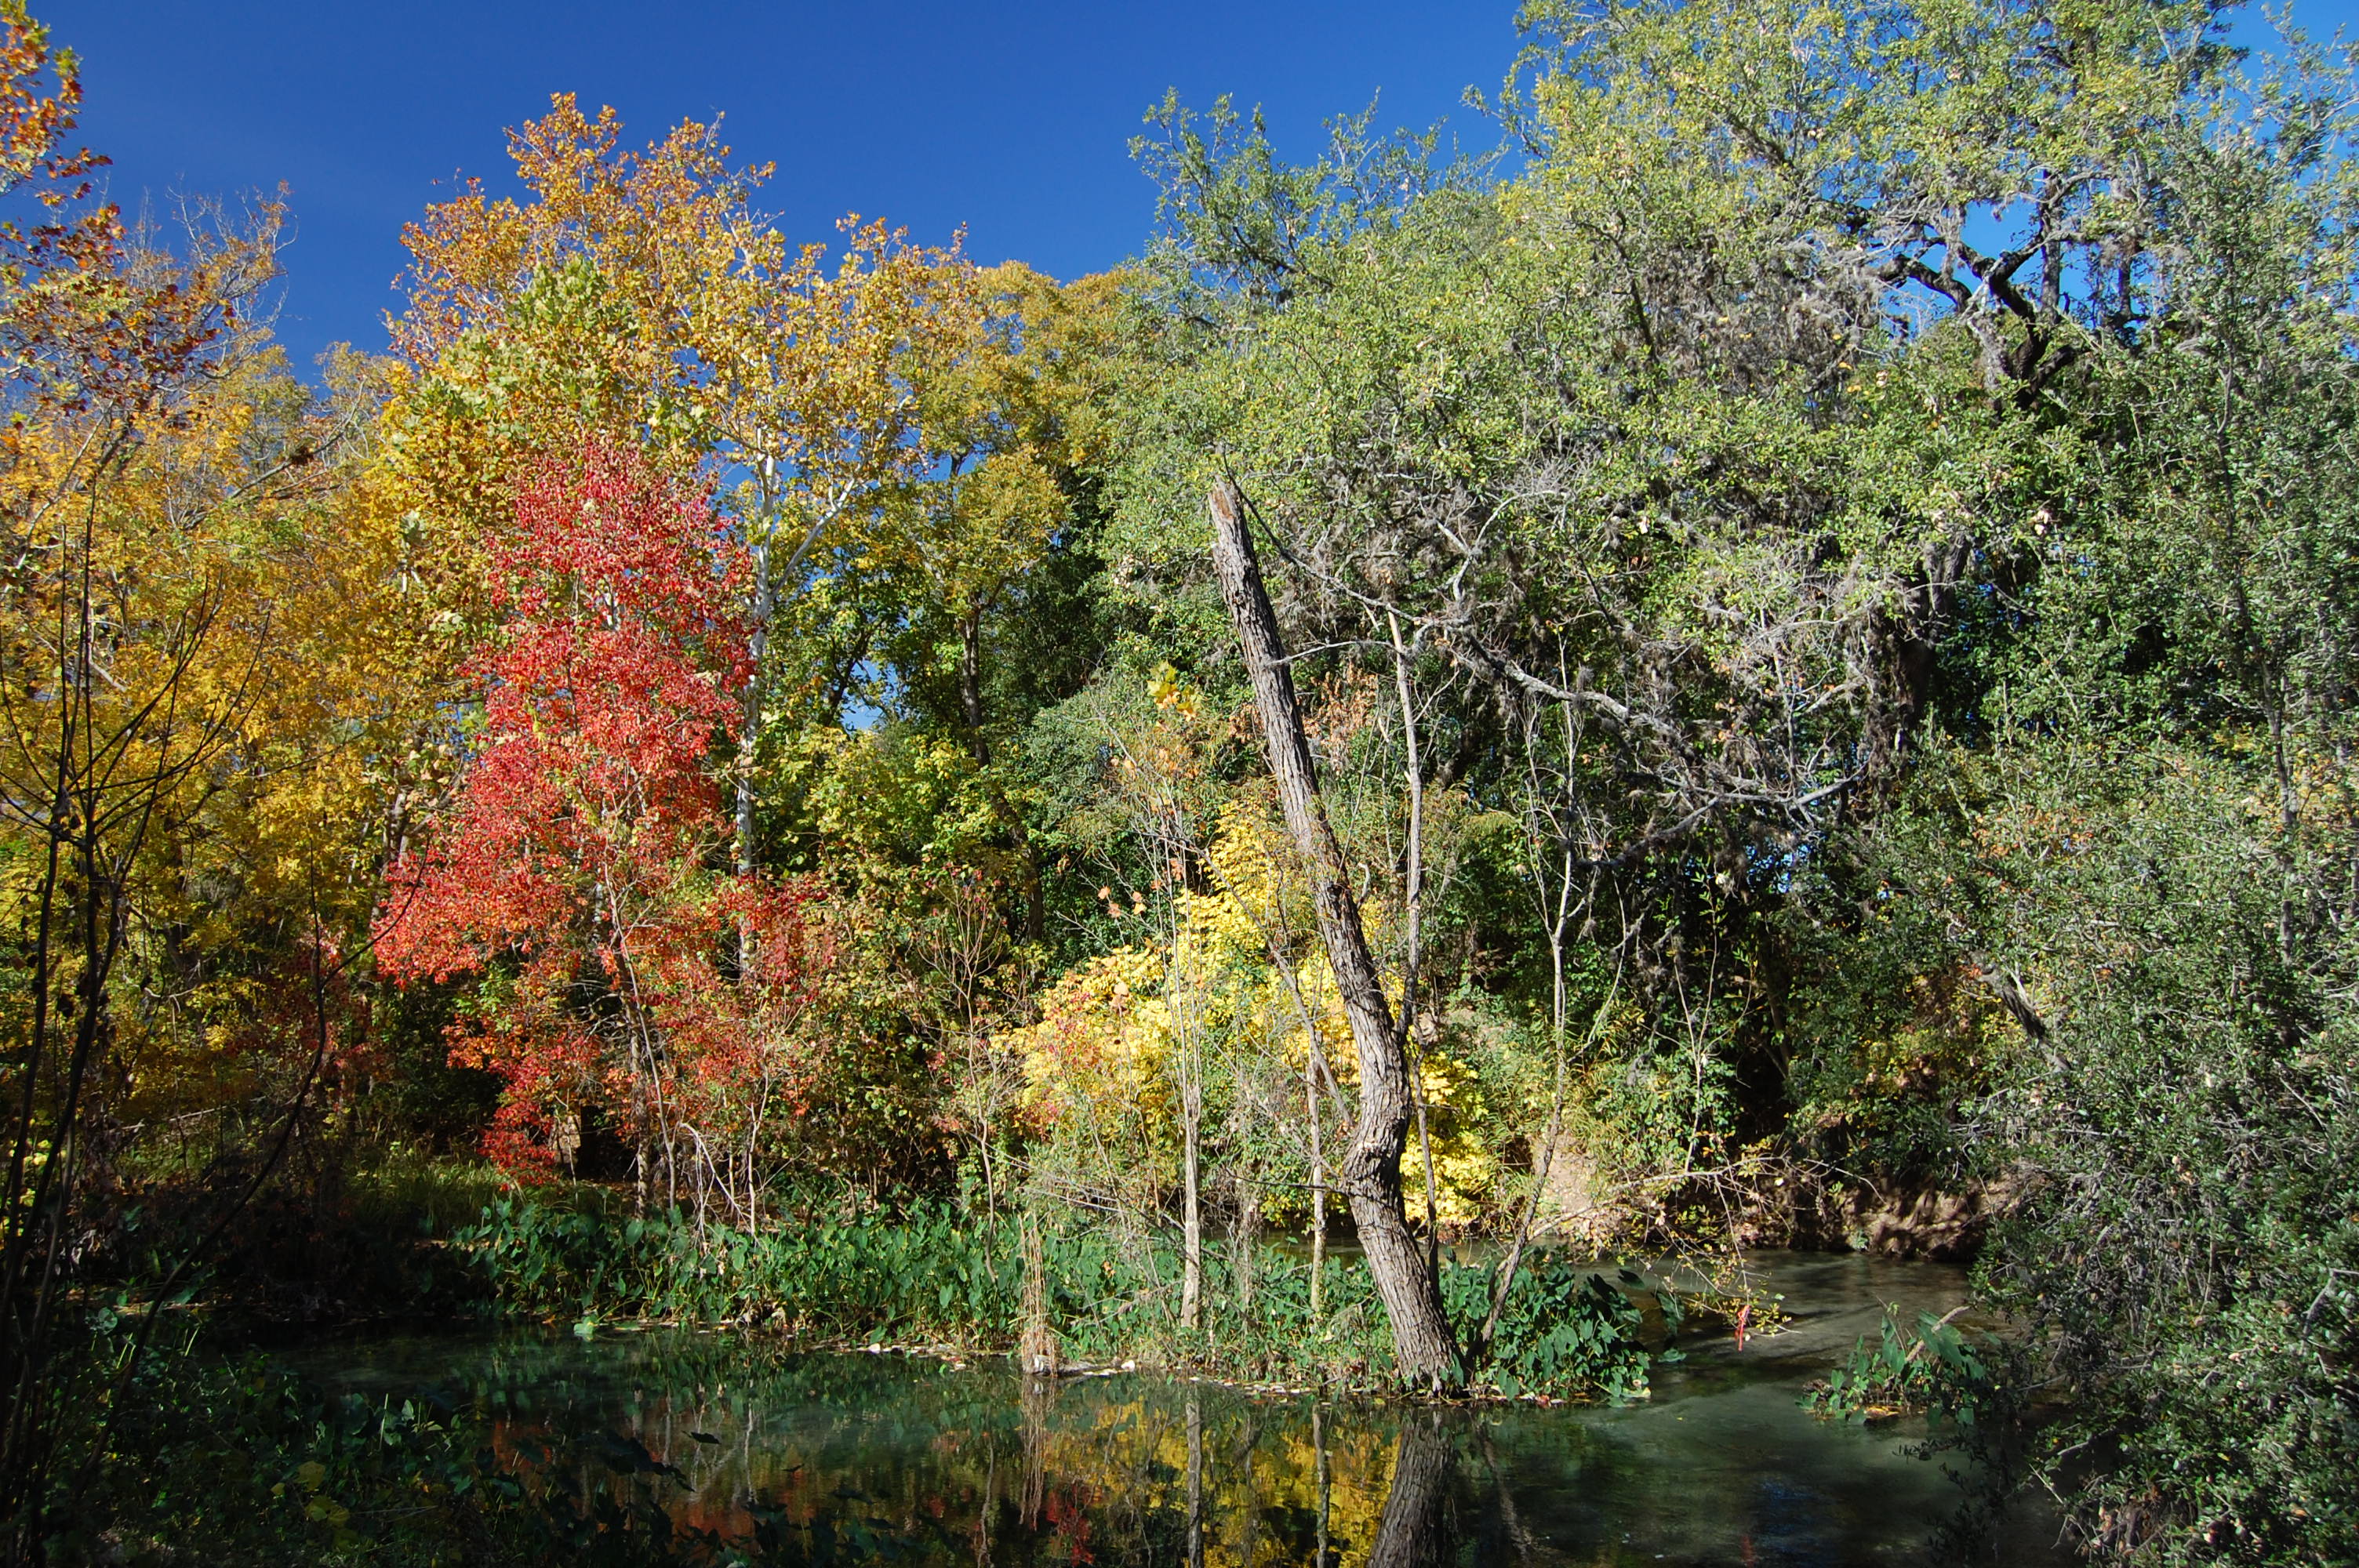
pixel 1369 1170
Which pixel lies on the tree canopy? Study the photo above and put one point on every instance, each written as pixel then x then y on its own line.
pixel 1775 647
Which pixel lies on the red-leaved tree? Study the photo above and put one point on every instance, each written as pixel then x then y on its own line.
pixel 577 867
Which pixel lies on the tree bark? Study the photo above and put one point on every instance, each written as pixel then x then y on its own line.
pixel 1191 1214
pixel 1369 1171
pixel 969 683
pixel 1318 1175
pixel 757 646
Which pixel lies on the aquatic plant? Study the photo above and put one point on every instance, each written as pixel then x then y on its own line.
pixel 931 1276
pixel 1930 1366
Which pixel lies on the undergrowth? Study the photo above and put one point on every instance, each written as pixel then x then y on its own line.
pixel 931 1276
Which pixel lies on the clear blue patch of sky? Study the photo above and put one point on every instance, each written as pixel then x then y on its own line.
pixel 1011 119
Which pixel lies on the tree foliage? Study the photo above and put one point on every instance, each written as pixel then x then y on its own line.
pixel 1818 576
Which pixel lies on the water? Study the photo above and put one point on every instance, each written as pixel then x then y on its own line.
pixel 860 1457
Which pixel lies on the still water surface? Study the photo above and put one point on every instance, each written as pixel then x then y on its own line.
pixel 883 1457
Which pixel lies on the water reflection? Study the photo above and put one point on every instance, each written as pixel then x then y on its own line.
pixel 879 1456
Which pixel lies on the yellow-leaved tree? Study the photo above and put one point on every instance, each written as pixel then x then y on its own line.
pixel 638 298
pixel 192 693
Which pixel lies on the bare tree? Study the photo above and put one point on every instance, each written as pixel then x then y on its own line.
pixel 1369 1175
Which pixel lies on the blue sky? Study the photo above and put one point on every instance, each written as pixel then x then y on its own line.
pixel 1012 119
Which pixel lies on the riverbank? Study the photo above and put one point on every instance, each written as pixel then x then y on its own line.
pixel 588 1369
pixel 800 1455
pixel 1569 1327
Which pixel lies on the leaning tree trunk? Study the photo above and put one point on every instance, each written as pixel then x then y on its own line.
pixel 1369 1170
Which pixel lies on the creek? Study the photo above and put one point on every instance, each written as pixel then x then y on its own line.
pixel 854 1456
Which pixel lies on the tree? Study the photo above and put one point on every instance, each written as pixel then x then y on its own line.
pixel 638 298
pixel 1369 1171
pixel 1007 424
pixel 183 829
pixel 571 868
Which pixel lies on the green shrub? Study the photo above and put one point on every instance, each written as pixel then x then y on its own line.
pixel 1564 1330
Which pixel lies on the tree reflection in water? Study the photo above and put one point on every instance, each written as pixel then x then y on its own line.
pixel 1414 1531
pixel 834 1457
